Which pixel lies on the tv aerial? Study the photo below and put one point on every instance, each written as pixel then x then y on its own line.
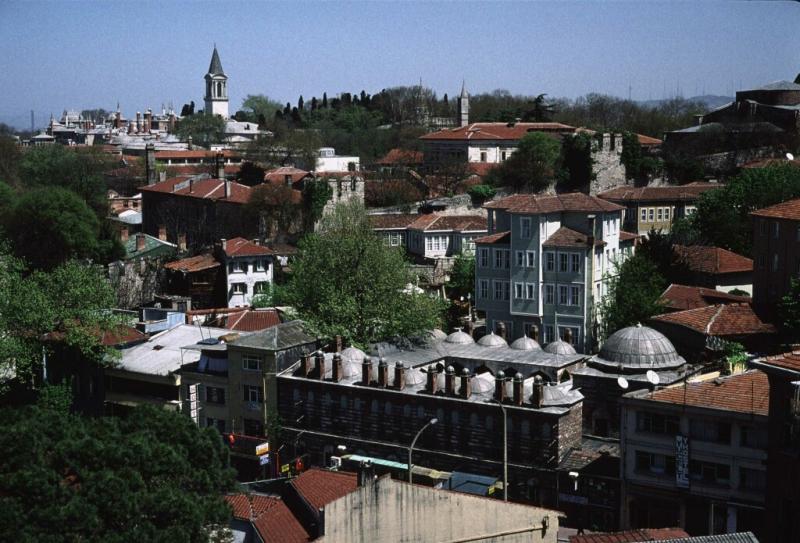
pixel 789 156
pixel 622 382
pixel 652 377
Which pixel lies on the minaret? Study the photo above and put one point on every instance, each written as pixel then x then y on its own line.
pixel 216 88
pixel 463 106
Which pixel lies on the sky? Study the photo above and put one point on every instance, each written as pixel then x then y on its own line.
pixel 73 54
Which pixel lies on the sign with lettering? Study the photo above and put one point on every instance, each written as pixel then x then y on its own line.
pixel 194 404
pixel 682 461
pixel 262 449
pixel 264 460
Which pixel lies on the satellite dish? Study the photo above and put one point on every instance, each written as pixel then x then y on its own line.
pixel 652 377
pixel 789 156
pixel 622 382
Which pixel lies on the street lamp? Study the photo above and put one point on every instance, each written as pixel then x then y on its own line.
pixel 505 450
pixel 411 448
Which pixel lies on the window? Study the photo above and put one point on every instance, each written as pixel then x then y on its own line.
pixel 219 424
pixel 261 287
pixel 762 227
pixel 762 261
pixel 650 213
pixel 752 479
pixel 549 261
pixel 498 259
pixel 215 395
pixel 574 295
pixel 483 257
pixel 658 464
pixel 644 214
pixel 253 427
pixel 503 156
pixel 253 393
pixel 776 230
pixel 713 431
pixel 548 333
pixel 395 238
pixel 530 259
pixel 575 262
pixel 549 294
pixel 239 288
pixel 251 363
pixel 483 288
pixel 498 290
pixel 520 255
pixel 569 333
pixel 525 227
pixel 666 213
pixel 562 294
pixel 237 266
pixel 530 291
pixel 519 291
pixel 562 262
pixel 428 244
pixel 709 472
pixel 259 264
pixel 660 214
pixel 506 259
pixel 506 290
pixel 775 262
pixel 483 156
pixel 655 423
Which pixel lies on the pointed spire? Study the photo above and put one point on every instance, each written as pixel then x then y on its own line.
pixel 215 68
pixel 464 93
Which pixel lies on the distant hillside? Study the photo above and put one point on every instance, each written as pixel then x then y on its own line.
pixel 711 101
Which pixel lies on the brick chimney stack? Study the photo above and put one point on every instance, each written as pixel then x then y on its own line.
pixel 182 242
pixel 518 389
pixel 162 233
pixel 123 234
pixel 466 384
pixel 189 145
pixel 338 372
pixel 433 382
pixel 383 373
pixel 399 376
pixel 150 164
pixel 224 243
pixel 537 399
pixel 219 163
pixel 338 340
pixel 140 240
pixel 320 365
pixel 568 336
pixel 366 371
pixel 306 365
pixel 500 386
pixel 450 381
pixel 138 122
pixel 365 474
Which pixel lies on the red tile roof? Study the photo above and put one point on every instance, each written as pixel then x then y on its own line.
pixel 497 131
pixel 388 221
pixel 630 536
pixel 743 393
pixel 213 189
pixel 274 521
pixel 627 236
pixel 400 157
pixel 193 264
pixel 566 237
pixel 786 210
pixel 719 320
pixel 194 169
pixel 249 320
pixel 320 487
pixel 248 507
pixel 713 260
pixel 647 140
pixel 687 297
pixel 787 361
pixel 245 247
pixel 278 175
pixel 679 193
pixel 481 168
pixel 458 223
pixel 121 335
pixel 498 238
pixel 573 201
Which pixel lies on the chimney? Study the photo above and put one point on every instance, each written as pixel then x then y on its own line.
pixel 219 162
pixel 162 233
pixel 383 373
pixel 320 364
pixel 224 243
pixel 123 234
pixel 338 338
pixel 366 371
pixel 466 384
pixel 150 163
pixel 433 383
pixel 501 329
pixel 305 367
pixel 471 327
pixel 450 381
pixel 568 336
pixel 138 122
pixel 535 332
pixel 500 386
pixel 518 389
pixel 191 185
pixel 181 242
pixel 257 241
pixel 227 189
pixel 189 145
pixel 337 367
pixel 140 242
pixel 148 116
pixel 537 399
pixel 365 474
pixel 591 236
pixel 399 376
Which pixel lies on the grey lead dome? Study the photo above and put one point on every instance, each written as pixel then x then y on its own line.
pixel 638 348
pixel 492 340
pixel 525 343
pixel 559 346
pixel 459 337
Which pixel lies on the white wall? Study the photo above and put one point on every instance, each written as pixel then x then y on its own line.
pixel 249 277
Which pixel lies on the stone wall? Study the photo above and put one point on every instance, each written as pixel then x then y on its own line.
pixel 608 170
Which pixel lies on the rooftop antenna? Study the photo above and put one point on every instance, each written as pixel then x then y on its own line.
pixel 622 382
pixel 789 156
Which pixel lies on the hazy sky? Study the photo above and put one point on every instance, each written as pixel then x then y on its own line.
pixel 81 54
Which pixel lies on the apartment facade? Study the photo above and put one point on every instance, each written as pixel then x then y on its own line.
pixel 776 247
pixel 544 264
pixel 430 235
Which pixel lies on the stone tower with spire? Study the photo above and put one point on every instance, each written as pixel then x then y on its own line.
pixel 216 88
pixel 463 106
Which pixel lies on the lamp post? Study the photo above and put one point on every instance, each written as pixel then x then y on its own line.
pixel 411 448
pixel 505 450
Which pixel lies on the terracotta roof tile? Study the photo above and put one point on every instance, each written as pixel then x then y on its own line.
pixel 498 238
pixel 630 536
pixel 249 320
pixel 195 169
pixel 627 236
pixel 458 223
pixel 400 157
pixel 679 193
pixel 743 393
pixel 278 175
pixel 270 516
pixel 647 140
pixel 121 335
pixel 193 263
pixel 566 237
pixel 212 189
pixel 787 361
pixel 497 131
pixel 572 201
pixel 713 260
pixel 386 221
pixel 786 210
pixel 248 507
pixel 733 319
pixel 688 297
pixel 245 247
pixel 320 487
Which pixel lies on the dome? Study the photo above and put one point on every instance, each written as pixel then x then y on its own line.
pixel 525 343
pixel 459 337
pixel 560 346
pixel 437 334
pixel 353 355
pixel 492 340
pixel 638 348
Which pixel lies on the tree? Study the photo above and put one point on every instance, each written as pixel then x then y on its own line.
pixel 533 165
pixel 9 160
pixel 256 105
pixel 275 207
pixel 152 476
pixel 540 111
pixel 203 129
pixel 789 311
pixel 48 226
pixel 577 163
pixel 633 294
pixel 346 281
pixel 462 276
pixel 631 155
pixel 657 247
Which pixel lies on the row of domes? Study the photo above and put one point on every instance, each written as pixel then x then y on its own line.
pixel 523 343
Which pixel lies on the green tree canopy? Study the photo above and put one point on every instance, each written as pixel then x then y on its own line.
pixel 203 129
pixel 153 476
pixel 346 281
pixel 462 276
pixel 633 294
pixel 259 108
pixel 789 312
pixel 533 165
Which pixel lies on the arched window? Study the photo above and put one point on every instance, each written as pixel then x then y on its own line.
pixel 374 406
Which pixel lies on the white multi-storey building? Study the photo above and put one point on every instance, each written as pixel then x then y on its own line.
pixel 248 270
